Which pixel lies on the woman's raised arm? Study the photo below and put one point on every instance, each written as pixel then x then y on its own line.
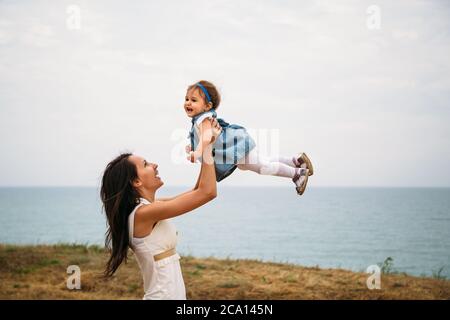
pixel 205 191
pixel 215 132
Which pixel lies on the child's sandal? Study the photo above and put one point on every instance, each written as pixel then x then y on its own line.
pixel 303 158
pixel 301 189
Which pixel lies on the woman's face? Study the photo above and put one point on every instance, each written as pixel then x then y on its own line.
pixel 147 173
pixel 194 104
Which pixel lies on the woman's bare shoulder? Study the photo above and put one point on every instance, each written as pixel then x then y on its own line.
pixel 143 226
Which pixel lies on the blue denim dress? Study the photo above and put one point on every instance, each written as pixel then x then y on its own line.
pixel 231 145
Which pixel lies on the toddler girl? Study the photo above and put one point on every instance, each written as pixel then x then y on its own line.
pixel 234 147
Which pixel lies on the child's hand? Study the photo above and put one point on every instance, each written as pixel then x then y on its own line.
pixel 188 148
pixel 193 156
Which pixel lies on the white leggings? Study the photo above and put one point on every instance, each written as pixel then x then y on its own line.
pixel 274 166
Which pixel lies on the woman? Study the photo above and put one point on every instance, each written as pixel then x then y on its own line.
pixel 139 221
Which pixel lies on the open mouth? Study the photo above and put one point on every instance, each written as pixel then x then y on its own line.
pixel 189 109
pixel 156 175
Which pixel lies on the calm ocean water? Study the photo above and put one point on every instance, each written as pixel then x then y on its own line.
pixel 349 228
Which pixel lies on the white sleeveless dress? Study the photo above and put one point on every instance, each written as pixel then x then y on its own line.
pixel 163 279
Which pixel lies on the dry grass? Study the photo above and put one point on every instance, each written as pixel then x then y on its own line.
pixel 40 272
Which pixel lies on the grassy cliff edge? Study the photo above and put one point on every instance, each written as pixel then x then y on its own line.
pixel 40 272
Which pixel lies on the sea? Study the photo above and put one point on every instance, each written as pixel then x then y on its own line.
pixel 328 227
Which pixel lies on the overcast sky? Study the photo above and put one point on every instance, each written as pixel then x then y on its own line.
pixel 364 90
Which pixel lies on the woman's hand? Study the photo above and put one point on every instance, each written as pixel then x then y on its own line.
pixel 216 129
pixel 213 130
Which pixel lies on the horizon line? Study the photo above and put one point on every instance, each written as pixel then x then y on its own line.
pixel 230 186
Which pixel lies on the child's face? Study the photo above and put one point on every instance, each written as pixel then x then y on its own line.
pixel 194 104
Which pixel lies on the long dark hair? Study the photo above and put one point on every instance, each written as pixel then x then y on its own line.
pixel 119 198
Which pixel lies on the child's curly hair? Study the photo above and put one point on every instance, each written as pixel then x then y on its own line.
pixel 212 91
